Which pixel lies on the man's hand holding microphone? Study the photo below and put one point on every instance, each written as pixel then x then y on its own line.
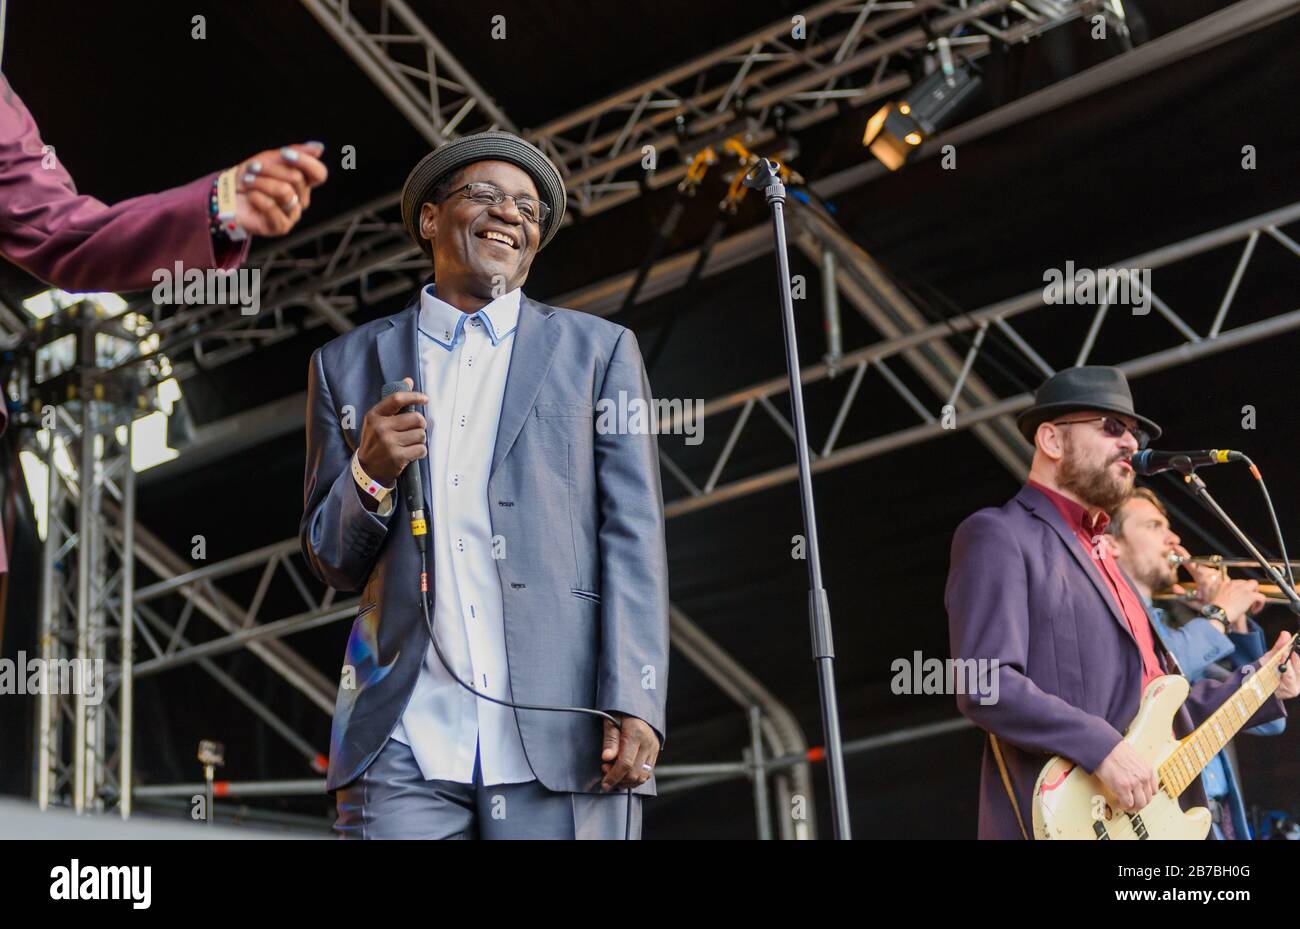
pixel 391 439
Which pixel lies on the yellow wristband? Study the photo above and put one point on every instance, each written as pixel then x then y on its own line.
pixel 227 203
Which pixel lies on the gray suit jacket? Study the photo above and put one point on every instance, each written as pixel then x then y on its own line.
pixel 584 580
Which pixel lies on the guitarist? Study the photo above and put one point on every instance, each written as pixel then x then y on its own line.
pixel 1033 585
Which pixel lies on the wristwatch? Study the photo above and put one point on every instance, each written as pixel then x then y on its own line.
pixel 1216 612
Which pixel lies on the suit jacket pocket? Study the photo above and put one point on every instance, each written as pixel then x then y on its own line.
pixel 563 410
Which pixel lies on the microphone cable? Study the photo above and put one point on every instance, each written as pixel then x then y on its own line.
pixel 1272 515
pixel 424 607
pixel 414 491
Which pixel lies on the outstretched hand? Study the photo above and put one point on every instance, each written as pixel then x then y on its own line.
pixel 274 187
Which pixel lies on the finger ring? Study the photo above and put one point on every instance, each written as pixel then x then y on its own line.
pixel 647 767
pixel 292 203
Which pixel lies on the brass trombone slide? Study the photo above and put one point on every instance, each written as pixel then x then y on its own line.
pixel 1272 593
pixel 1223 564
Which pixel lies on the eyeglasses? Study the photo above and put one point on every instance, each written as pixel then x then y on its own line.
pixel 535 211
pixel 1112 427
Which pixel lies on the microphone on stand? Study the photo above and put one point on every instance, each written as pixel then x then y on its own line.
pixel 1149 461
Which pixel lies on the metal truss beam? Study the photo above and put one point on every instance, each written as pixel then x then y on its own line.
pixel 201 594
pixel 368 245
pixel 779 727
pixel 871 291
pixel 397 51
pixel 851 52
pixel 82 740
pixel 171 633
pixel 303 278
pixel 1233 22
pixel 1193 346
pixel 601 148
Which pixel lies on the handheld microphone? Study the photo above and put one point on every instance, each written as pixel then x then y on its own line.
pixel 1149 461
pixel 410 482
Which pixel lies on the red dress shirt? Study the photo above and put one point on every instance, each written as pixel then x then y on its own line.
pixel 1088 532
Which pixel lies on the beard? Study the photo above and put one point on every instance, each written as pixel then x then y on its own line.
pixel 1158 576
pixel 1094 483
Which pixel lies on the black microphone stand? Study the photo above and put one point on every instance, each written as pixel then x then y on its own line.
pixel 1188 470
pixel 765 176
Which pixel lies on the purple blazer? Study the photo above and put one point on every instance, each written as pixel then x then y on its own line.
pixel 75 242
pixel 1021 589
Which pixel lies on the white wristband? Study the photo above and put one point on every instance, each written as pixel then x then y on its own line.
pixel 368 485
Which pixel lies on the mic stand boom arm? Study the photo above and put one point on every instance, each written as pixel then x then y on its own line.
pixel 1203 494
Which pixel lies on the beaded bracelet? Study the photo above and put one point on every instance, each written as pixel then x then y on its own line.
pixel 222 220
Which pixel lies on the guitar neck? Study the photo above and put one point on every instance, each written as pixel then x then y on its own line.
pixel 1185 763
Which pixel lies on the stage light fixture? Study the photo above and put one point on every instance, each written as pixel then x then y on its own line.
pixel 899 127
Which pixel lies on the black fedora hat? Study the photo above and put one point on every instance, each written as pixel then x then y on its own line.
pixel 1092 387
pixel 492 145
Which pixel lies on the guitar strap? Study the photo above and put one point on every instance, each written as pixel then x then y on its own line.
pixel 1006 782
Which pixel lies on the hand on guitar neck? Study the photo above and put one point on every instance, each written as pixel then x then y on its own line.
pixel 1131 779
pixel 1289 681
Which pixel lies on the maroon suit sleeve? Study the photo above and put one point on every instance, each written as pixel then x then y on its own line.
pixel 988 617
pixel 77 243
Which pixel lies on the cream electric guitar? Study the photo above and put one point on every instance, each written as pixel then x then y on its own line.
pixel 1069 803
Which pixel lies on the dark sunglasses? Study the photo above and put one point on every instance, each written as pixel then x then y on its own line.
pixel 1112 427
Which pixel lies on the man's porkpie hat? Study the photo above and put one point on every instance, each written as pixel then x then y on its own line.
pixel 492 145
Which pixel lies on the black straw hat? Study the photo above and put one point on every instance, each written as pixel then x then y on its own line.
pixel 1091 387
pixel 492 145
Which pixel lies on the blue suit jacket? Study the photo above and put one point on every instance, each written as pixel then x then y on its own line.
pixel 584 578
pixel 1198 647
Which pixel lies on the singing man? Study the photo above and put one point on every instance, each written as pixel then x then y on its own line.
pixel 1034 585
pixel 548 580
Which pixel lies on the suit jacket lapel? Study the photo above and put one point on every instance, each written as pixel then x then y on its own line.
pixel 1043 508
pixel 536 339
pixel 397 348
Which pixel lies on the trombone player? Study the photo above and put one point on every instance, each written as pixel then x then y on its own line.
pixel 1210 633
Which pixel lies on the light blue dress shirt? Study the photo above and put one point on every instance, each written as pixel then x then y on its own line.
pixel 464 360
